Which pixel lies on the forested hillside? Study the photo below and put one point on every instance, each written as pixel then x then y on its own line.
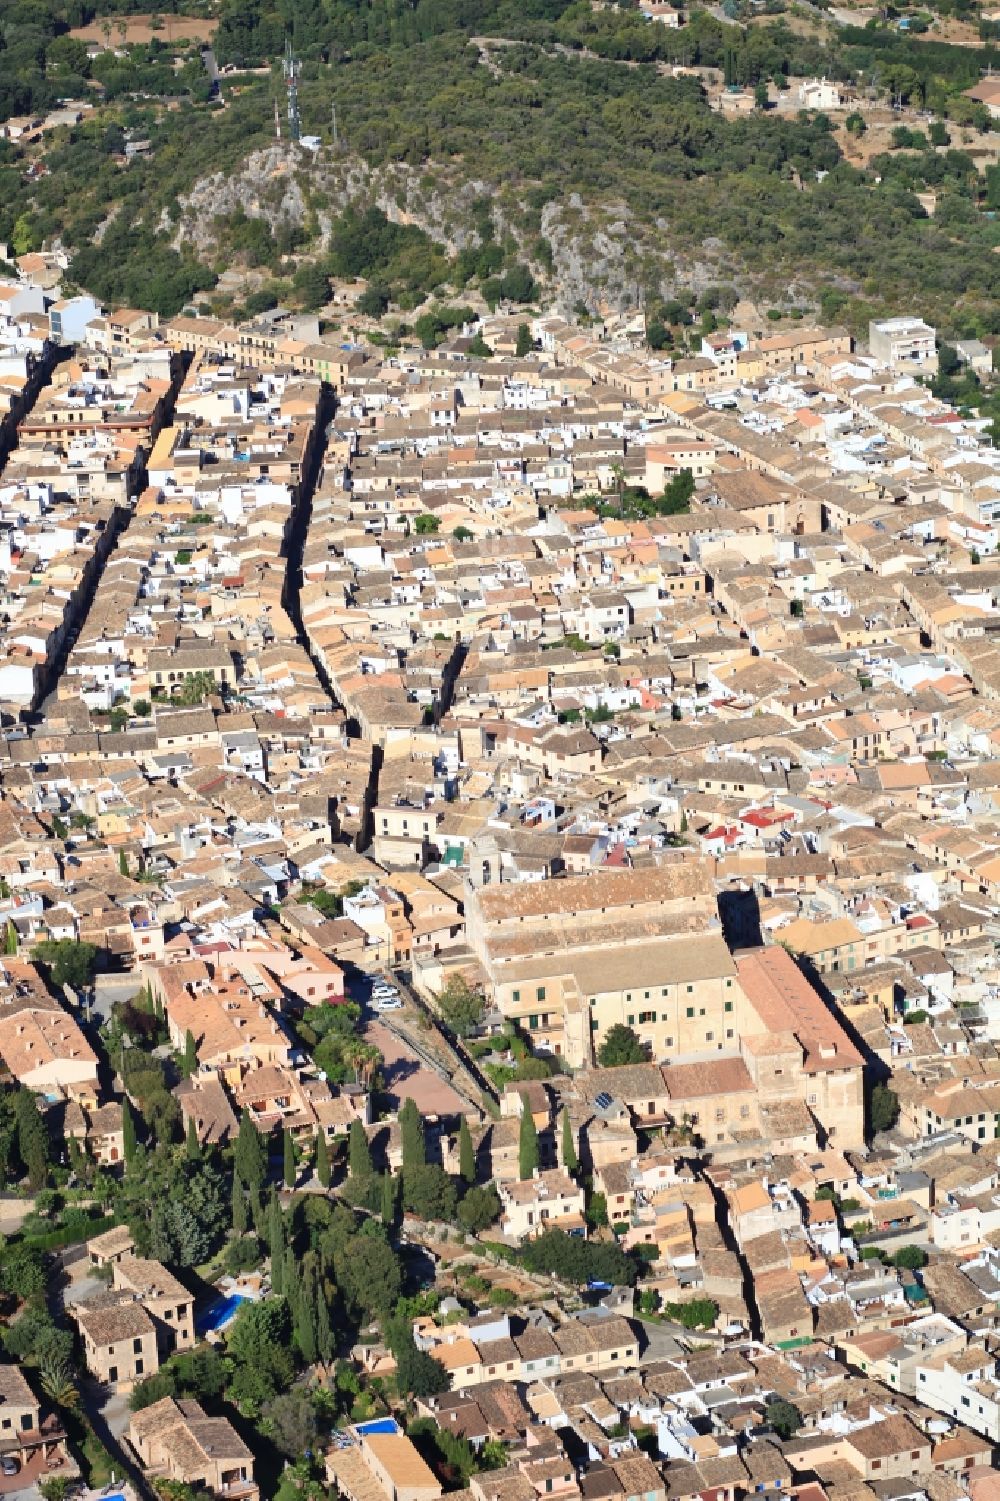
pixel 530 146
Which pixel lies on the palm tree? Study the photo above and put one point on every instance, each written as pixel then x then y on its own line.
pixel 618 474
pixel 370 1063
pixel 365 1059
pixel 59 1385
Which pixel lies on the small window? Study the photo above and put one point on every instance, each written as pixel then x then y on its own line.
pixel 728 1006
pixel 515 996
pixel 540 993
pixel 689 1011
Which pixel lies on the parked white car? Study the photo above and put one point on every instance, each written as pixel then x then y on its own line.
pixel 387 1003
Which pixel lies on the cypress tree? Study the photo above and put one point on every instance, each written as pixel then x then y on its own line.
pixel 10 939
pixel 192 1146
pixel 239 1207
pixel 324 1334
pixel 190 1064
pixel 128 1133
pixel 249 1161
pixel 322 1160
pixel 411 1125
pixel 276 1244
pixel 466 1153
pixel 570 1160
pixel 291 1281
pixel 32 1138
pixel 123 862
pixel 388 1200
pixel 527 1145
pixel 288 1155
pixel 358 1151
pixel 305 1321
pixel 77 1160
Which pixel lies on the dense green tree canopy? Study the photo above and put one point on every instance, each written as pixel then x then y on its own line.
pixel 554 114
pixel 620 1046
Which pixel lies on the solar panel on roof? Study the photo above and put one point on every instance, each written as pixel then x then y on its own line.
pixel 603 1100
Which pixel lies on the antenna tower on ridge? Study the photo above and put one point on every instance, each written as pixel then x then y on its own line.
pixel 292 69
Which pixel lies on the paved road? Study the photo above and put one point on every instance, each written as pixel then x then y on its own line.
pixel 423 1063
pixel 664 1340
pixel 100 998
pixel 406 1075
pixel 466 1071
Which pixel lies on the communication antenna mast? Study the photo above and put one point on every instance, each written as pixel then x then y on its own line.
pixel 277 120
pixel 292 69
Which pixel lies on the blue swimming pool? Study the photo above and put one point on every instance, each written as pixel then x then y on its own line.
pixel 216 1316
pixel 116 1497
pixel 378 1425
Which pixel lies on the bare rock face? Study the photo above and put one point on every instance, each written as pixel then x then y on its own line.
pixel 284 183
pixel 598 252
pixel 264 188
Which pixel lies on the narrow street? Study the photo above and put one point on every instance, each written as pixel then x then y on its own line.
pixel 299 534
pixel 118 525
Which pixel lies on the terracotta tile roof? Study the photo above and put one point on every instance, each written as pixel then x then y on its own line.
pixel 785 1002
